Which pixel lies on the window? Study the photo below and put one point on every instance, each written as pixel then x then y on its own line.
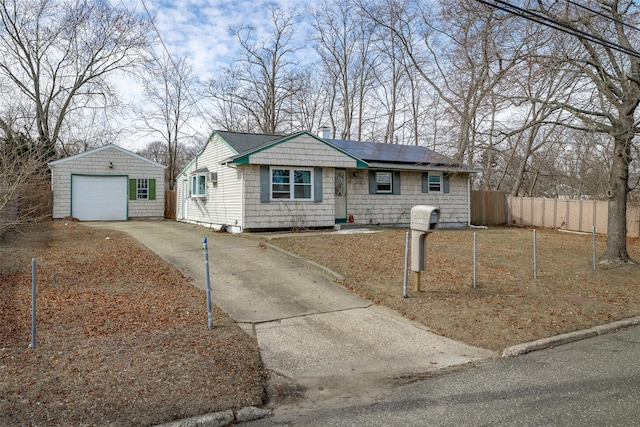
pixel 199 185
pixel 384 182
pixel 435 182
pixel 142 189
pixel 291 184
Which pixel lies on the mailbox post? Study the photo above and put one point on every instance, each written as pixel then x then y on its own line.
pixel 424 220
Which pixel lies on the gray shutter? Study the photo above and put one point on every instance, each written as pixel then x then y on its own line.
pixel 445 182
pixel 317 185
pixel 396 182
pixel 373 184
pixel 265 184
pixel 425 182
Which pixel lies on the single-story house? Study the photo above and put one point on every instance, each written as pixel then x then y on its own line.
pixel 242 181
pixel 108 183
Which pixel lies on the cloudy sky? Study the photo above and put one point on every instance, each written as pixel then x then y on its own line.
pixel 199 31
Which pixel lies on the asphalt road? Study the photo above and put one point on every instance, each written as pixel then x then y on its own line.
pixel 594 382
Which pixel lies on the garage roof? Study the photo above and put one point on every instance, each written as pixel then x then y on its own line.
pixel 106 147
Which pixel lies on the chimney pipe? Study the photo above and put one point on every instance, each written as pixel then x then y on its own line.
pixel 325 132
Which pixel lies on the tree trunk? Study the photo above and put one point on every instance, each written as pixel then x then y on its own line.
pixel 616 251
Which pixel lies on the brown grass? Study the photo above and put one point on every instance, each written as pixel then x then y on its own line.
pixel 122 336
pixel 508 306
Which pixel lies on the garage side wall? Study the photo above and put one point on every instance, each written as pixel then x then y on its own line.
pixel 97 164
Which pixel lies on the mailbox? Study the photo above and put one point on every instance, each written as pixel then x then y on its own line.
pixel 424 220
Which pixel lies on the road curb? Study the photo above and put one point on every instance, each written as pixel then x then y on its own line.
pixel 524 348
pixel 221 418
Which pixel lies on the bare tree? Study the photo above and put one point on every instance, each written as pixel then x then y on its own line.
pixel 58 55
pixel 343 40
pixel 453 47
pixel 610 77
pixel 168 85
pixel 227 110
pixel 24 189
pixel 391 77
pixel 308 105
pixel 264 77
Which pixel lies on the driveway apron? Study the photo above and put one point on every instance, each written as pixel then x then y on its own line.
pixel 309 329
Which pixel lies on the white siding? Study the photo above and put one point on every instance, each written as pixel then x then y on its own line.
pixel 395 209
pixel 223 204
pixel 97 164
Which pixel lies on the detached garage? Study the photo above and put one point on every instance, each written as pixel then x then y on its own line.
pixel 107 184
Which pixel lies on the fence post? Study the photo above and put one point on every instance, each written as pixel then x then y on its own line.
pixel 208 283
pixel 33 303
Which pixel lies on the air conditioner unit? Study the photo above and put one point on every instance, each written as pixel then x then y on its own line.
pixel 213 178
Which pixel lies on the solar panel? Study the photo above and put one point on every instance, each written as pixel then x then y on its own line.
pixel 380 152
pixel 367 151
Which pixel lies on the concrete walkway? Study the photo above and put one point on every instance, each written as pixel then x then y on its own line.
pixel 313 333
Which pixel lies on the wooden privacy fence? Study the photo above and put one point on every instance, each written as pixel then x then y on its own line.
pixel 170 203
pixel 573 215
pixel 488 207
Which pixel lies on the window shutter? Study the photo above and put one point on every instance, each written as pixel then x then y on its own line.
pixel 133 189
pixel 373 184
pixel 396 182
pixel 445 182
pixel 265 183
pixel 317 185
pixel 152 189
pixel 425 182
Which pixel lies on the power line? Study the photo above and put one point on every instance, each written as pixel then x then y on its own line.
pixel 175 66
pixel 602 15
pixel 557 25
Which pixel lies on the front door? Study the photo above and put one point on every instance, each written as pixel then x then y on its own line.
pixel 341 195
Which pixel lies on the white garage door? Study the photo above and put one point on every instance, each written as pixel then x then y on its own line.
pixel 95 198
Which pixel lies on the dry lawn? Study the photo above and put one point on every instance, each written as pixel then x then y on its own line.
pixel 122 336
pixel 508 306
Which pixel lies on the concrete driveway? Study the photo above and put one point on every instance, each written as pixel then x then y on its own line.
pixel 313 333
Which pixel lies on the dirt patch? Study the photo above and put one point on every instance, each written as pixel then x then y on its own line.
pixel 508 306
pixel 122 336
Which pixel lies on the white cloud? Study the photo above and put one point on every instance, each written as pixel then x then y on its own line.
pixel 199 31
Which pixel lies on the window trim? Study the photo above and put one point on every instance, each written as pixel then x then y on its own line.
pixel 194 185
pixel 390 183
pixel 144 188
pixel 292 185
pixel 440 184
